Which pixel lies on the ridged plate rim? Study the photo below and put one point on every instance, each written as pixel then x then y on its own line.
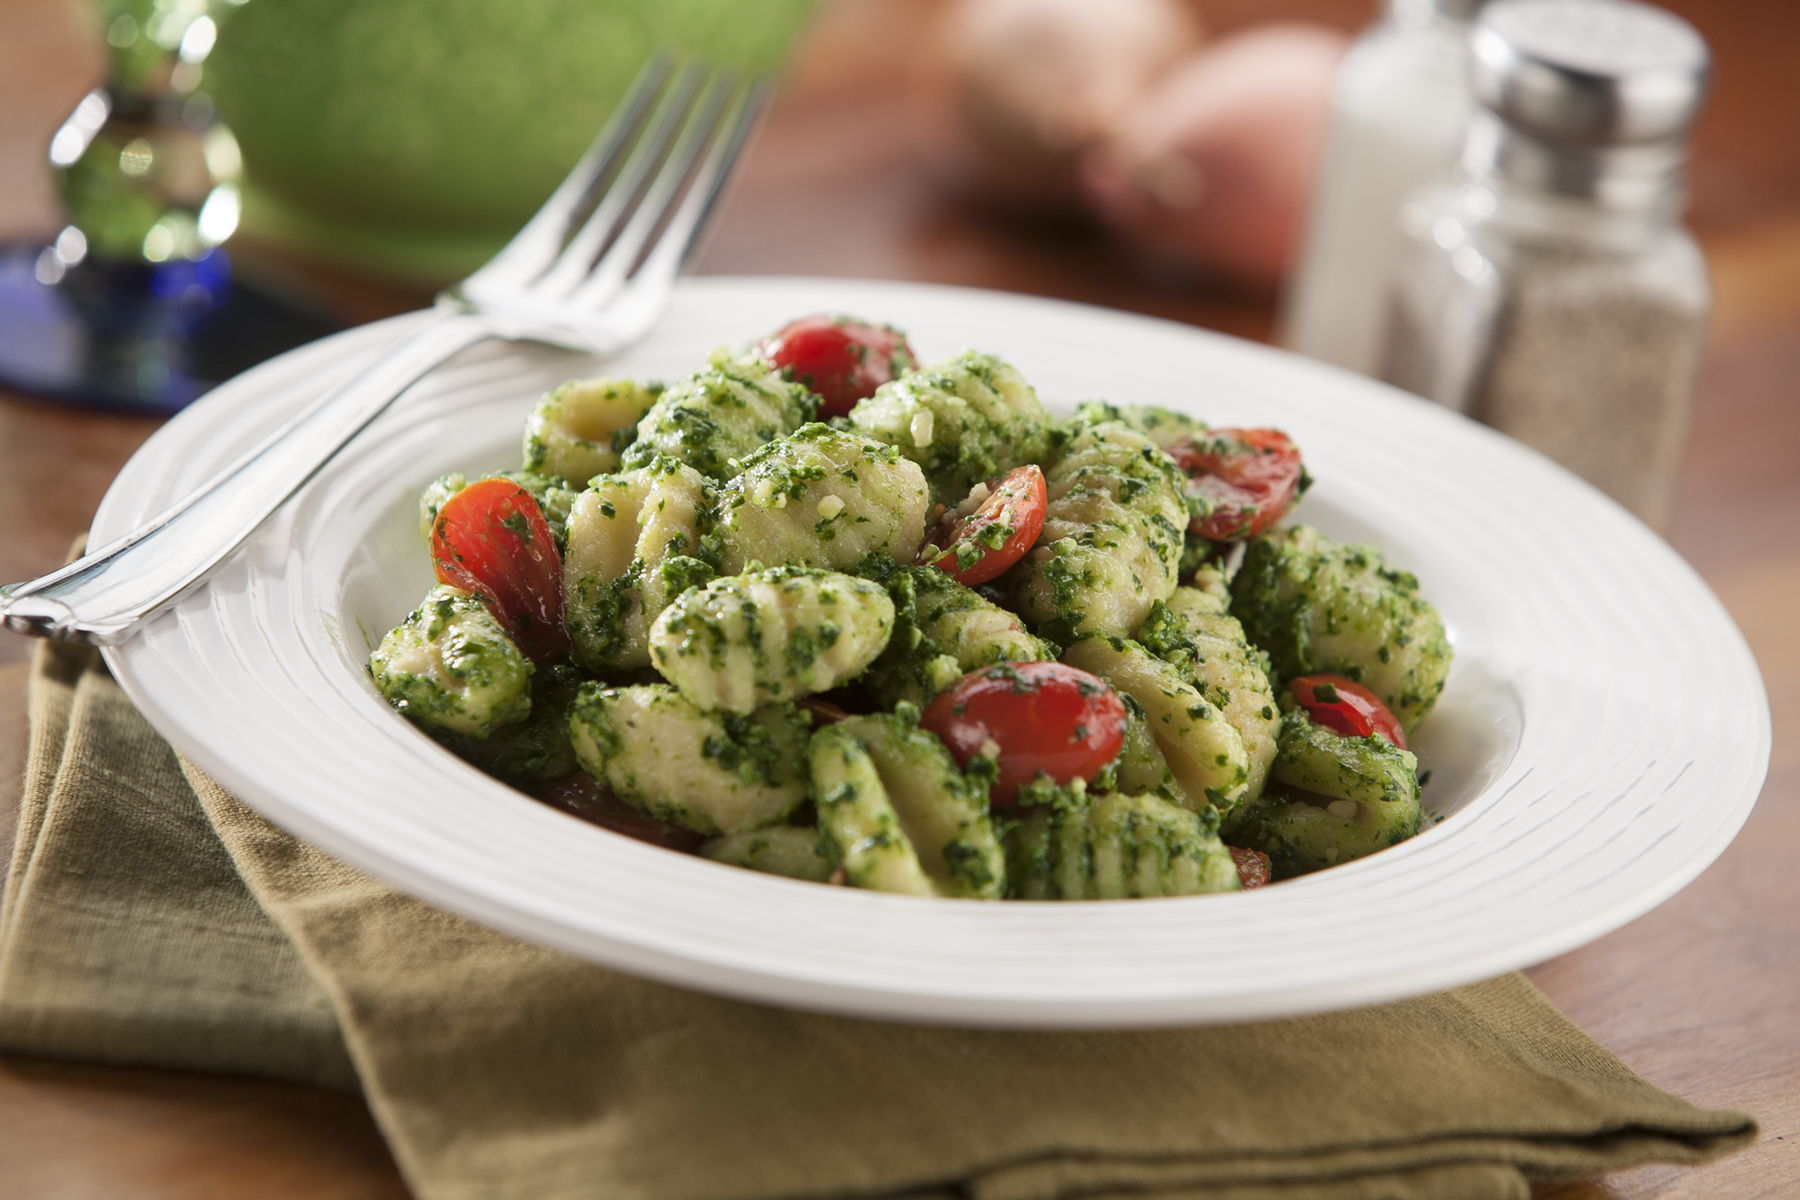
pixel 1583 632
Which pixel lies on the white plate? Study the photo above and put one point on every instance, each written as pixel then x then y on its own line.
pixel 1603 735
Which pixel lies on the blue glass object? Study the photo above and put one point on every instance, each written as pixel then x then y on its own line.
pixel 132 305
pixel 136 337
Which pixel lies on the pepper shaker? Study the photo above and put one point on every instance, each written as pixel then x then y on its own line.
pixel 1547 287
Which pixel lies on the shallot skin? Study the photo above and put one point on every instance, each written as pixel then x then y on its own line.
pixel 1036 82
pixel 1210 171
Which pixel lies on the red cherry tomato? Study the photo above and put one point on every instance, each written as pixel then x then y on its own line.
pixel 580 795
pixel 1042 717
pixel 1347 707
pixel 842 359
pixel 491 539
pixel 1253 866
pixel 1242 480
pixel 1006 524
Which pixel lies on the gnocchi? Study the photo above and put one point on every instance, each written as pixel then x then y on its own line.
pixel 820 497
pixel 771 634
pixel 770 660
pixel 1112 540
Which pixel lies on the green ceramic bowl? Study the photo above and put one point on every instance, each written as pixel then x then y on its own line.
pixel 411 137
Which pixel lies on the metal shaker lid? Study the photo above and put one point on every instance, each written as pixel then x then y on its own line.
pixel 1424 12
pixel 1458 10
pixel 1586 96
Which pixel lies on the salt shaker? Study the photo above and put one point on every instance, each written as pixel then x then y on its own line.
pixel 1547 287
pixel 1399 105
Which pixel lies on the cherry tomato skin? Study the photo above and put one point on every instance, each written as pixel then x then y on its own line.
pixel 1043 716
pixel 1253 867
pixel 841 359
pixel 1244 479
pixel 998 533
pixel 491 539
pixel 1347 707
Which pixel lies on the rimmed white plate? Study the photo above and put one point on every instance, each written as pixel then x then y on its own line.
pixel 1603 735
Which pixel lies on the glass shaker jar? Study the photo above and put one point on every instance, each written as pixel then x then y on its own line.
pixel 1399 104
pixel 1547 288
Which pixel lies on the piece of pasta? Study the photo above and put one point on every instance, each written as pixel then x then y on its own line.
pixel 720 415
pixel 1197 741
pixel 1318 606
pixel 634 545
pixel 1194 633
pixel 1164 426
pixel 711 772
pixel 1117 847
pixel 942 631
pixel 1330 799
pixel 964 421
pixel 1112 540
pixel 771 634
pixel 581 428
pixel 899 813
pixel 535 749
pixel 452 666
pixel 820 497
pixel 1141 768
pixel 793 851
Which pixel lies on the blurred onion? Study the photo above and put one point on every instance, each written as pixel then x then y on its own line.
pixel 1211 170
pixel 1037 81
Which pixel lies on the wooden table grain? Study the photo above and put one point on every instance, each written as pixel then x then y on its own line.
pixel 1701 996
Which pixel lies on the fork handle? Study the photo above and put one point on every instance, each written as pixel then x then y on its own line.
pixel 103 597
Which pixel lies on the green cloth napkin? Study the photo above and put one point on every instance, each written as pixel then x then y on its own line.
pixel 150 918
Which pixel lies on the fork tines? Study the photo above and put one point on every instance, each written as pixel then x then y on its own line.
pixel 638 199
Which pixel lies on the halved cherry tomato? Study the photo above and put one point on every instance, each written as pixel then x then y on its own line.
pixel 1253 866
pixel 1006 523
pixel 1037 717
pixel 840 358
pixel 1241 481
pixel 491 539
pixel 582 796
pixel 1347 707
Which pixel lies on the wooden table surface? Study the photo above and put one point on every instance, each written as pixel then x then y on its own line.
pixel 849 178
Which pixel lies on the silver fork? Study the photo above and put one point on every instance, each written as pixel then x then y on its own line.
pixel 591 271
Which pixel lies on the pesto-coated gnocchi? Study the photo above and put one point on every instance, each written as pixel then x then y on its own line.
pixel 1319 606
pixel 1116 847
pixel 942 631
pixel 580 429
pixel 1112 539
pixel 721 415
pixel 1164 426
pixel 937 645
pixel 1332 799
pixel 1195 634
pixel 820 497
pixel 635 543
pixel 964 421
pixel 770 634
pixel 711 772
pixel 533 750
pixel 1201 746
pixel 451 666
pixel 901 815
pixel 796 851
